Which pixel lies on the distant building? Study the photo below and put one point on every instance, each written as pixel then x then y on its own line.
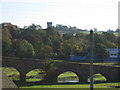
pixel 95 29
pixel 110 31
pixel 113 52
pixel 7 24
pixel 49 24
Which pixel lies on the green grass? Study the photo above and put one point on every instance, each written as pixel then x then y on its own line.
pixel 67 74
pixel 101 85
pixel 10 71
pixel 107 64
pixel 33 79
pixel 116 33
pixel 99 77
pixel 88 32
pixel 35 72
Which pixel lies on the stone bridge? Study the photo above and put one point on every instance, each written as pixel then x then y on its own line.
pixel 25 65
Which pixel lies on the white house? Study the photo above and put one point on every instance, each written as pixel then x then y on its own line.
pixel 113 52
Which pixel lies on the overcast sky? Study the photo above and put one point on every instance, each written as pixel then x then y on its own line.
pixel 84 14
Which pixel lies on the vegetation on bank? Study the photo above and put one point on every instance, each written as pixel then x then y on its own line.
pixel 50 43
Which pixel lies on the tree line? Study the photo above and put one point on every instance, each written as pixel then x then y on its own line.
pixel 35 42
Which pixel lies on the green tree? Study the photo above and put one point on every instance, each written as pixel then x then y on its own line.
pixel 100 51
pixel 38 49
pixel 99 39
pixel 109 44
pixel 25 49
pixel 47 52
pixel 75 45
pixel 110 36
pixel 6 42
pixel 34 27
pixel 33 36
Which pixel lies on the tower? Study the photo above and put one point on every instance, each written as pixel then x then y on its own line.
pixel 49 24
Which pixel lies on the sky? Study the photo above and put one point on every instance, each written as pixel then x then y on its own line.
pixel 84 14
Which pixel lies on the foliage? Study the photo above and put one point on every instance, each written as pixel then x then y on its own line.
pixel 6 42
pixel 34 27
pixel 25 49
pixel 76 46
pixel 101 51
pixel 51 43
pixel 49 66
pixel 47 52
pixel 33 36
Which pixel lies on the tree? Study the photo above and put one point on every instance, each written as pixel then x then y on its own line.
pixel 99 38
pixel 46 52
pixel 49 67
pixel 76 45
pixel 6 42
pixel 25 49
pixel 33 36
pixel 38 49
pixel 34 27
pixel 15 32
pixel 100 51
pixel 109 44
pixel 110 36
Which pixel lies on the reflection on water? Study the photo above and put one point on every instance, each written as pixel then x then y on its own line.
pixel 74 81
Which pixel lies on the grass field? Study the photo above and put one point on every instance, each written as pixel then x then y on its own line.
pixel 100 85
pixel 37 75
pixel 87 32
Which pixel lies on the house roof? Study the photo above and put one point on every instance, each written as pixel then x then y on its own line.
pixel 113 50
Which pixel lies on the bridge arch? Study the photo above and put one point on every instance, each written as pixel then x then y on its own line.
pixel 82 77
pixel 68 76
pixel 98 77
pixel 35 75
pixel 108 77
pixel 14 73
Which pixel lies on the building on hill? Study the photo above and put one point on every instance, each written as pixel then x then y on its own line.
pixel 5 24
pixel 8 24
pixel 113 55
pixel 113 52
pixel 95 29
pixel 49 24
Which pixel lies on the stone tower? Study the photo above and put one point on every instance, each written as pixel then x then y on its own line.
pixel 49 24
